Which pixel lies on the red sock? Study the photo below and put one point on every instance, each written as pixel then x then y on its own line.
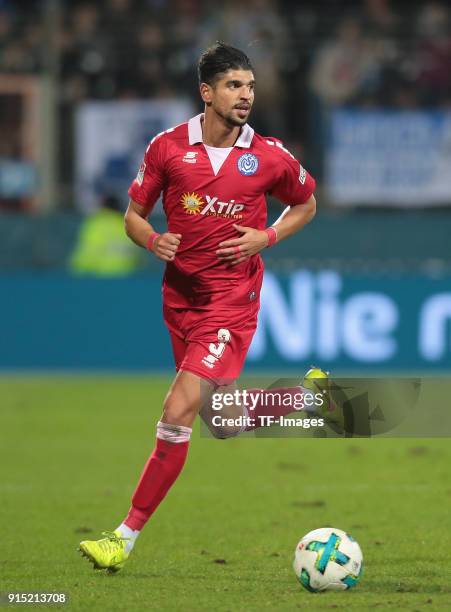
pixel 159 474
pixel 290 400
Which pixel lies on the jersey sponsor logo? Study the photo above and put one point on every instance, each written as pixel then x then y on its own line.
pixel 247 164
pixel 140 175
pixel 190 157
pixel 194 204
pixel 217 208
pixel 216 349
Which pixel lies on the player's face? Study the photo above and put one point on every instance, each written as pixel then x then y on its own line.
pixel 231 97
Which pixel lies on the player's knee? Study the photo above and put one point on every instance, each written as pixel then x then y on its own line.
pixel 224 424
pixel 222 432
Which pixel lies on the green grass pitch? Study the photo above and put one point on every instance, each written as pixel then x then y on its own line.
pixel 72 449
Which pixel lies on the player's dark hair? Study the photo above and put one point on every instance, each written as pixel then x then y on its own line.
pixel 218 59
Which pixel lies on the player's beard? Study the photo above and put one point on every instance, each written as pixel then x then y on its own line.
pixel 232 120
pixel 236 122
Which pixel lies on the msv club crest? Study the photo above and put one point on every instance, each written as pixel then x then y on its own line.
pixel 247 164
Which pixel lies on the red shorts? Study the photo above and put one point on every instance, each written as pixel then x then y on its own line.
pixel 212 344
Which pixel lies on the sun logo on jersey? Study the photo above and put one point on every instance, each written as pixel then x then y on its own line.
pixel 192 203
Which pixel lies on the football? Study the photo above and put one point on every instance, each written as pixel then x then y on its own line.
pixel 328 559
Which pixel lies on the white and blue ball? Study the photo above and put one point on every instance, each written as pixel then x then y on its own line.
pixel 328 559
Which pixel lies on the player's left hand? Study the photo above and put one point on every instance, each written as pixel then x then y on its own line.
pixel 239 249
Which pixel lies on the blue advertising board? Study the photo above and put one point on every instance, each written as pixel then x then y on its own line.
pixel 354 322
pixel 389 157
pixel 111 138
pixel 341 322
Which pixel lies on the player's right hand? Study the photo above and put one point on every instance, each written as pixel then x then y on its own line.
pixel 165 246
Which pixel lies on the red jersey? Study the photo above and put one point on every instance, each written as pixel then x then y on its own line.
pixel 203 206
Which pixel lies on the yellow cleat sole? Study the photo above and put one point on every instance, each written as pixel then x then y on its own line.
pixel 110 570
pixel 89 558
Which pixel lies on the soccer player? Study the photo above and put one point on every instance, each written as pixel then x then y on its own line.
pixel 214 172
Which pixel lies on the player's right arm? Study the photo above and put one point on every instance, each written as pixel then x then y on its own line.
pixel 140 231
pixel 144 192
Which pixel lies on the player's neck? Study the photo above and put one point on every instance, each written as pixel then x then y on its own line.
pixel 216 133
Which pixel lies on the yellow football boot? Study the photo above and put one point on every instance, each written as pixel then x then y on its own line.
pixel 108 553
pixel 317 381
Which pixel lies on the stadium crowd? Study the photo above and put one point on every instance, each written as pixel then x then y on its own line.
pixel 367 52
pixel 309 56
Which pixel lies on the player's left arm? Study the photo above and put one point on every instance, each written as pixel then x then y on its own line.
pixel 294 218
pixel 293 186
pixel 252 241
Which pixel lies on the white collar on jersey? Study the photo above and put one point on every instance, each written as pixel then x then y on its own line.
pixel 195 133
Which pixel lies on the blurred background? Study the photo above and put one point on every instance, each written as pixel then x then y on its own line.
pixel 359 91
